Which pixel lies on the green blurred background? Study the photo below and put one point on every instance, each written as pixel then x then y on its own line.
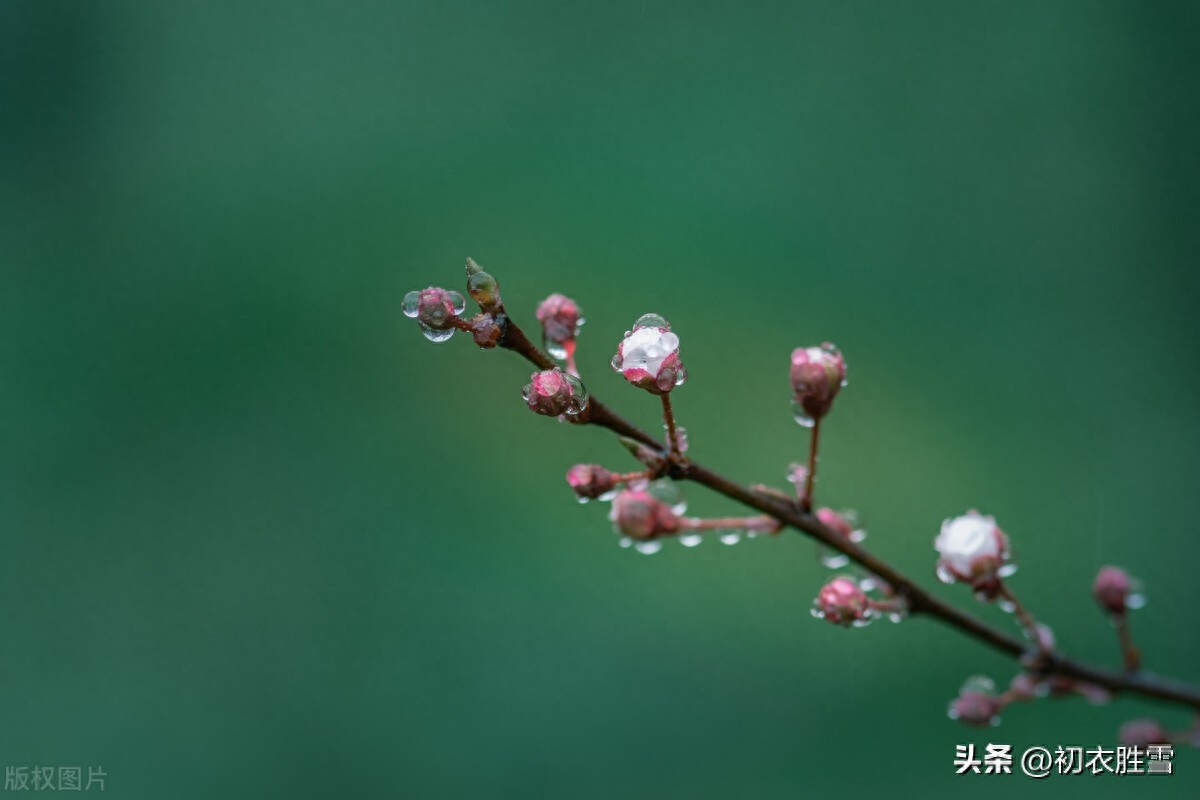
pixel 259 538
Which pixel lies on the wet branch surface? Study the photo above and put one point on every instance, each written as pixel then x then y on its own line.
pixel 920 601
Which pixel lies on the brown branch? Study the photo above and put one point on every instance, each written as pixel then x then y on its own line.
pixel 919 600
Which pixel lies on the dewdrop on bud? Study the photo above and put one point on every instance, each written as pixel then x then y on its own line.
pixel 976 703
pixel 482 287
pixel 592 481
pixel 639 515
pixel 648 356
pixel 560 319
pixel 817 374
pixel 1112 589
pixel 972 550
pixel 554 393
pixel 436 311
pixel 842 602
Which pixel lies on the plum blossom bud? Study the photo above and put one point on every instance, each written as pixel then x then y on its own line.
pixel 638 514
pixel 591 481
pixel 555 393
pixel 842 602
pixel 436 311
pixel 648 356
pixel 1112 588
pixel 560 319
pixel 818 373
pixel 973 550
pixel 1142 732
pixel 977 703
pixel 482 287
pixel 485 331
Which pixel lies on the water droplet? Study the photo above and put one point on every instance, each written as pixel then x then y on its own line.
pixel 556 350
pixel 1135 601
pixel 1007 606
pixel 862 622
pixel 690 539
pixel 833 559
pixel 979 683
pixel 651 321
pixel 411 305
pixel 583 500
pixel 730 537
pixel 625 541
pixel 816 612
pixel 649 547
pixel 1006 571
pixel 681 377
pixel 433 335
pixel 668 492
pixel 896 616
pixel 616 362
pixel 952 712
pixel 802 416
pixel 457 302
pixel 944 575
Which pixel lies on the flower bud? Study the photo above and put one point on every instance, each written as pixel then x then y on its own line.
pixel 818 373
pixel 842 602
pixel 975 708
pixel 638 514
pixel 591 481
pixel 1112 588
pixel 485 331
pixel 482 287
pixel 648 356
pixel 977 702
pixel 560 320
pixel 973 550
pixel 1142 732
pixel 436 311
pixel 555 393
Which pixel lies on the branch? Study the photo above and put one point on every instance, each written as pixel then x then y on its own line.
pixel 919 600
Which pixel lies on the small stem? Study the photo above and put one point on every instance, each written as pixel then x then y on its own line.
pixel 764 523
pixel 646 474
pixel 669 418
pixel 806 501
pixel 1132 656
pixel 1028 623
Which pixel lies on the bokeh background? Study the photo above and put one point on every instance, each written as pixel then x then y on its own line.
pixel 259 538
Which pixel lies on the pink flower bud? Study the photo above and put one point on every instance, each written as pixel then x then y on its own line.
pixel 975 708
pixel 436 311
pixel 555 393
pixel 1112 588
pixel 818 373
pixel 640 515
pixel 560 320
pixel 485 331
pixel 842 602
pixel 591 481
pixel 1142 732
pixel 648 356
pixel 482 287
pixel 973 550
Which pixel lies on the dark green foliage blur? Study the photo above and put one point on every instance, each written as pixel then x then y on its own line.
pixel 259 539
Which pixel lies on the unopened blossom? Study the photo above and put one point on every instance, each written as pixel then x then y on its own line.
pixel 977 702
pixel 485 331
pixel 590 481
pixel 1111 589
pixel 842 602
pixel 554 393
pixel 638 514
pixel 817 374
pixel 436 311
pixel 482 287
pixel 560 319
pixel 972 550
pixel 648 356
